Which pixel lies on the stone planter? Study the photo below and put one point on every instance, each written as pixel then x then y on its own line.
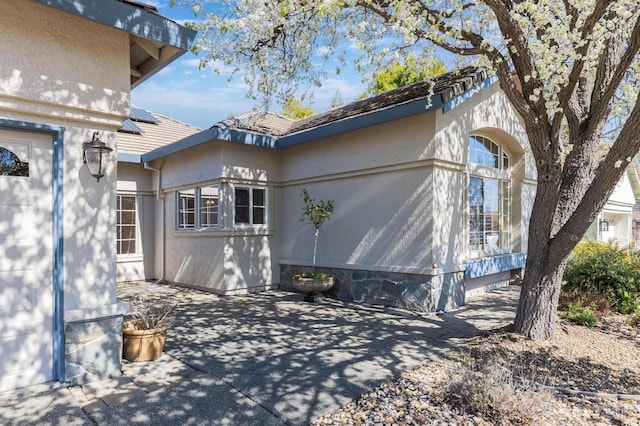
pixel 143 345
pixel 312 286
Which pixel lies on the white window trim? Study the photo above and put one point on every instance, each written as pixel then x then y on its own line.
pixel 501 175
pixel 196 204
pixel 264 225
pixel 138 252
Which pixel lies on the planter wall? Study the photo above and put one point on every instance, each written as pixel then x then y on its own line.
pixel 415 292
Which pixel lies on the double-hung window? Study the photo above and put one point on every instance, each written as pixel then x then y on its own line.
pixel 198 208
pixel 126 230
pixel 250 206
pixel 489 196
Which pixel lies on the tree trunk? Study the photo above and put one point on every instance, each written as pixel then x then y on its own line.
pixel 547 255
pixel 536 317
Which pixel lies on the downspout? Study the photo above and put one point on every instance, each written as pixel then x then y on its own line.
pixel 162 216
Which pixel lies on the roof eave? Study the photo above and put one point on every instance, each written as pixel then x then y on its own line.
pixel 395 112
pixel 175 38
pixel 442 100
pixel 128 18
pixel 209 135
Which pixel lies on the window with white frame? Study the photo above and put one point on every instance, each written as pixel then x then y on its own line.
pixel 489 196
pixel 209 207
pixel 250 206
pixel 198 207
pixel 187 209
pixel 126 229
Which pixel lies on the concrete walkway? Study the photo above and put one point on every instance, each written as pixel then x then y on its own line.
pixel 259 359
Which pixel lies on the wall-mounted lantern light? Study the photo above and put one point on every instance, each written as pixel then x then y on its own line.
pixel 94 154
pixel 604 225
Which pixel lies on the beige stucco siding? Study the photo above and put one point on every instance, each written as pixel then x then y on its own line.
pixel 57 64
pixel 400 189
pixel 135 180
pixel 390 144
pixel 382 221
pixel 227 259
pixel 61 70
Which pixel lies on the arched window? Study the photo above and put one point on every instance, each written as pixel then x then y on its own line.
pixel 489 197
pixel 487 153
pixel 10 164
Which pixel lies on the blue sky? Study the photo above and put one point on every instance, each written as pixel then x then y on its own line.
pixel 202 97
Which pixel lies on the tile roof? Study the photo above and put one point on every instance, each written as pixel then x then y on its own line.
pixel 446 86
pixel 154 135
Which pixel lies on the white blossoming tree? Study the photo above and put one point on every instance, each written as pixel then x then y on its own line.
pixel 569 68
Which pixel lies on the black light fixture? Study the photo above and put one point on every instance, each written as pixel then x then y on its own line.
pixel 94 155
pixel 604 225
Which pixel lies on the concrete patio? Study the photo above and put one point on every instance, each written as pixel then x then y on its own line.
pixel 259 359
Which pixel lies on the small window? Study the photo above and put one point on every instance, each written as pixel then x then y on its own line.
pixel 10 164
pixel 250 206
pixel 126 225
pixel 187 209
pixel 198 208
pixel 209 206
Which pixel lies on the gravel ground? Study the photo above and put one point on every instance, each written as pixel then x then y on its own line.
pixel 604 359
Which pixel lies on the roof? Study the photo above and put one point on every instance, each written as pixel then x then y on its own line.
pixel 155 41
pixel 146 131
pixel 445 87
pixel 275 131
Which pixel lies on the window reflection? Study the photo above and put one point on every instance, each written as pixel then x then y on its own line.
pixel 10 164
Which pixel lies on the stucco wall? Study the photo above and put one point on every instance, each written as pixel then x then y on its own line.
pixel 61 70
pixel 135 180
pixel 226 260
pixel 381 186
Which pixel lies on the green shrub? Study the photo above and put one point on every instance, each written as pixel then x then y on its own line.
pixel 606 269
pixel 635 318
pixel 582 315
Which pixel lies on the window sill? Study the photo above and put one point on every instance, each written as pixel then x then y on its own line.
pixel 242 232
pixel 129 258
pixel 494 264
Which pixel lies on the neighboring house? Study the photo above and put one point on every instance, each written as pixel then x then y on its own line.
pixel 432 197
pixel 66 73
pixel 615 222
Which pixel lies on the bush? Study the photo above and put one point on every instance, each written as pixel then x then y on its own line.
pixel 582 315
pixel 635 318
pixel 494 392
pixel 606 269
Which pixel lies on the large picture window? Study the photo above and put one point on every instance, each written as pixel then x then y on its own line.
pixel 198 208
pixel 126 225
pixel 489 196
pixel 250 205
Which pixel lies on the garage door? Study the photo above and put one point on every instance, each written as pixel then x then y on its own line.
pixel 26 264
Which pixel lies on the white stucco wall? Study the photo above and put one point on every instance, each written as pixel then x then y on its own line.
pixel 382 187
pixel 61 70
pixel 135 180
pixel 226 260
pixel 400 189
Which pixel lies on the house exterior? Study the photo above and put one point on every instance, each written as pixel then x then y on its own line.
pixel 136 223
pixel 615 223
pixel 66 73
pixel 432 197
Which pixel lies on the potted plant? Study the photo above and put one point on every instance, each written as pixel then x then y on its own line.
pixel 312 282
pixel 144 333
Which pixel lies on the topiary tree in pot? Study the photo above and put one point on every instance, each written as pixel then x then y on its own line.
pixel 315 213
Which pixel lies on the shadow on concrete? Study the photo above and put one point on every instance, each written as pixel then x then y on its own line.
pixel 271 358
